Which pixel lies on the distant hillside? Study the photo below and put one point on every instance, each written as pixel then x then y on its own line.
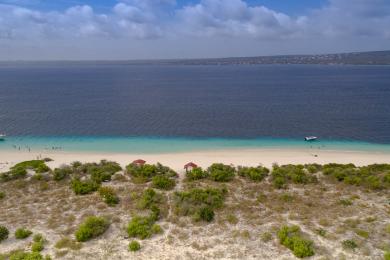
pixel 354 58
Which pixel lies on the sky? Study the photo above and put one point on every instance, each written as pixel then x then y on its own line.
pixel 164 29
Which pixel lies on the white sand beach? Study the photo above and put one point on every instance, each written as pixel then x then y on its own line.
pixel 247 157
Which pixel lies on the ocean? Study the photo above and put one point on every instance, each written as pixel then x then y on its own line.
pixel 120 106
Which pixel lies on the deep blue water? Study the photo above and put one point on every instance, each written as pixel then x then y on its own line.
pixel 254 101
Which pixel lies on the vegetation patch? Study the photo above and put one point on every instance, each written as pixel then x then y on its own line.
pixel 38 243
pixel 84 187
pixel 349 244
pixel 163 182
pixel 92 227
pixel 256 174
pixel 221 172
pixel 282 175
pixel 291 237
pixel 374 177
pixel 22 233
pixel 68 243
pixel 108 195
pixel 199 203
pixel 146 172
pixel 62 173
pixel 134 246
pixel 196 174
pixel 3 233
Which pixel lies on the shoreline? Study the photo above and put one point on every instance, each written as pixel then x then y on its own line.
pixel 176 160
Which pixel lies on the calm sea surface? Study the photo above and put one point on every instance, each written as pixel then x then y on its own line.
pixel 235 102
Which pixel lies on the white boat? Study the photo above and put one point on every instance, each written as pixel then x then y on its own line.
pixel 310 138
pixel 2 137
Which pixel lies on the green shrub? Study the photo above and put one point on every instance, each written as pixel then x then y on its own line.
pixel 62 173
pixel 321 232
pixel 386 256
pixel 291 238
pixel 196 174
pixel 38 243
pixel 134 246
pixel 92 227
pixel 2 195
pixel 349 244
pixel 221 172
pixel 21 255
pixel 205 214
pixel 3 233
pixel 157 229
pixel 253 173
pixel 22 233
pixel 36 165
pixel 373 176
pixel 148 199
pixel 13 174
pixel 313 167
pixel 84 187
pixel 282 175
pixel 108 195
pixel 199 203
pixel 140 227
pixel 163 182
pixel 147 171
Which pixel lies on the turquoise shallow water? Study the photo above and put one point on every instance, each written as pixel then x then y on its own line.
pixel 172 145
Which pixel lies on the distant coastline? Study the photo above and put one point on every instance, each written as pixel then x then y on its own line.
pixel 346 58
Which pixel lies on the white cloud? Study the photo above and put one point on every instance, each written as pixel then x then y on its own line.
pixel 236 18
pixel 196 28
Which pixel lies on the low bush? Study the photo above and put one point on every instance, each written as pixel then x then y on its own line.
pixel 22 255
pixel 163 182
pixel 134 246
pixel 199 203
pixel 221 172
pixel 147 171
pixel 290 237
pixel 374 177
pixel 38 243
pixel 22 233
pixel 108 195
pixel 13 174
pixel 386 256
pixel 36 165
pixel 345 202
pixel 3 233
pixel 140 227
pixel 313 167
pixel 253 173
pixel 62 173
pixel 92 227
pixel 148 199
pixel 282 175
pixel 2 195
pixel 196 174
pixel 205 214
pixel 349 244
pixel 84 187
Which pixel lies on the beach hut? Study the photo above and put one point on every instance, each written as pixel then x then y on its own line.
pixel 139 162
pixel 189 166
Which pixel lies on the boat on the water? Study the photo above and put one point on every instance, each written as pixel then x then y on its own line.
pixel 310 138
pixel 2 137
